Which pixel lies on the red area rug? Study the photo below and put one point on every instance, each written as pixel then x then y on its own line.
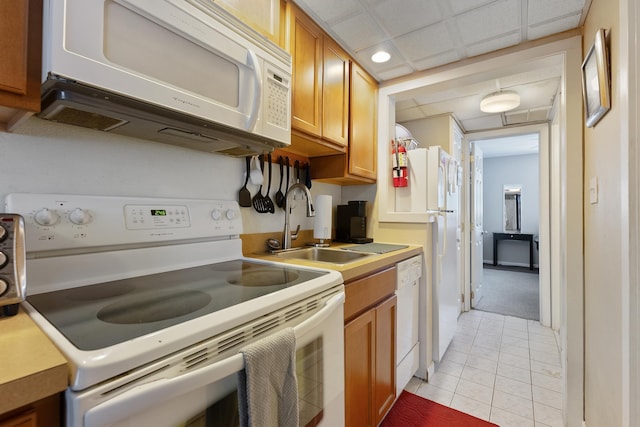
pixel 411 410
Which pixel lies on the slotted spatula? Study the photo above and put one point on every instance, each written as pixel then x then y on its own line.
pixel 244 195
pixel 258 200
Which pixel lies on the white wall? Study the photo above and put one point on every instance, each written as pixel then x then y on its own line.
pixel 510 170
pixel 47 157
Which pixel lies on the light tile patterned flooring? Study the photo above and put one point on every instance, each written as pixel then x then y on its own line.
pixel 499 368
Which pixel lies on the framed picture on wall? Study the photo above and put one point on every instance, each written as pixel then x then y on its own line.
pixel 595 80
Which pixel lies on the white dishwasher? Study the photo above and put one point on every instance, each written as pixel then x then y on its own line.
pixel 407 350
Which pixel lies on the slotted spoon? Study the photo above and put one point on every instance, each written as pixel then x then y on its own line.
pixel 266 200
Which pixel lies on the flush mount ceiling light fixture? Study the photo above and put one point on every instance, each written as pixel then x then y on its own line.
pixel 380 56
pixel 499 102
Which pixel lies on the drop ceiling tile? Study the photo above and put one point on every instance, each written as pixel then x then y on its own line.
pixel 395 72
pixel 493 121
pixel 424 43
pixel 409 114
pixel 546 29
pixel 496 19
pixel 540 11
pixel 494 44
pixel 437 60
pixel 396 60
pixel 460 6
pixel 331 11
pixel 402 18
pixel 359 32
pixel 406 103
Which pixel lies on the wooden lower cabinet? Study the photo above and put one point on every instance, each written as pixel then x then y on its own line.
pixel 42 413
pixel 370 375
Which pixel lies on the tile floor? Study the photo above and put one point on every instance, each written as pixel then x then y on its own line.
pixel 499 368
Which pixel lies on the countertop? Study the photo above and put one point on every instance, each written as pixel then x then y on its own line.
pixel 32 367
pixel 352 270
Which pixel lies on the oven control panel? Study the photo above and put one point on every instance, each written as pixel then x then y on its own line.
pixel 56 222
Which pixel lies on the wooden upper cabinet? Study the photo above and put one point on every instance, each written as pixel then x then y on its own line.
pixel 335 93
pixel 359 164
pixel 266 17
pixel 363 124
pixel 306 48
pixel 21 50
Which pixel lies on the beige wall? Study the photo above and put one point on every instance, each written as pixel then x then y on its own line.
pixel 602 234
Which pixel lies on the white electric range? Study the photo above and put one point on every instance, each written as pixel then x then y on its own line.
pixel 150 300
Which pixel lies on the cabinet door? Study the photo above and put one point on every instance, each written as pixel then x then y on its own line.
pixel 21 47
pixel 335 93
pixel 362 139
pixel 261 15
pixel 384 387
pixel 305 46
pixel 23 420
pixel 359 369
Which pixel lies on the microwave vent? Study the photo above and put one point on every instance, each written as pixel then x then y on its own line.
pixel 91 120
pixel 69 102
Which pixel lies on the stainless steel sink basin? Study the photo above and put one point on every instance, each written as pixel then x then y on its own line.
pixel 333 256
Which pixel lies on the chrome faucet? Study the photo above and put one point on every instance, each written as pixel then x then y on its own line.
pixel 288 236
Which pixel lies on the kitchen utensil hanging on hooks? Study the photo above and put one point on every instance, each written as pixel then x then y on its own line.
pixel 279 194
pixel 244 195
pixel 307 177
pixel 258 200
pixel 286 188
pixel 256 170
pixel 268 203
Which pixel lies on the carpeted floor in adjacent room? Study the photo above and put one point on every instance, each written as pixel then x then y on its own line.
pixel 511 292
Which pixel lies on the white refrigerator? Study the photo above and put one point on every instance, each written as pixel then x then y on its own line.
pixel 435 188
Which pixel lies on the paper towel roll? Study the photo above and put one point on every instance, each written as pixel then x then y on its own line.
pixel 322 220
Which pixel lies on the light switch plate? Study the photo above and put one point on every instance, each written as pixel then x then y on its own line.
pixel 593 190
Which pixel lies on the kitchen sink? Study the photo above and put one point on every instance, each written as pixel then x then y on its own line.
pixel 333 256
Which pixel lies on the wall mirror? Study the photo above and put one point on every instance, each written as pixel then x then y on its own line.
pixel 512 208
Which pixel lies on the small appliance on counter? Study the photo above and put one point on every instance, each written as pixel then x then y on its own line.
pixel 351 224
pixel 12 263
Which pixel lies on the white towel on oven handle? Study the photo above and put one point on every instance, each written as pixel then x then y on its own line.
pixel 267 386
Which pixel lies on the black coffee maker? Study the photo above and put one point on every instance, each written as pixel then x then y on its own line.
pixel 351 226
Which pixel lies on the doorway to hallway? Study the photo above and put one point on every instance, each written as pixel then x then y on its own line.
pixel 510 291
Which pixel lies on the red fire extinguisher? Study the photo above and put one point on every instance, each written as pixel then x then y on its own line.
pixel 399 162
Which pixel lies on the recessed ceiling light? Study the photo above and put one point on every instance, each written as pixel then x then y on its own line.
pixel 499 102
pixel 380 56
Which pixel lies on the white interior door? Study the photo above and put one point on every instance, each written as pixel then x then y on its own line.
pixel 477 227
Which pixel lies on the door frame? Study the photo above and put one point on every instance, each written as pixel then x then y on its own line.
pixel 567 49
pixel 544 259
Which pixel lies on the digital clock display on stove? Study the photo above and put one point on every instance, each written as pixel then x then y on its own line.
pixel 158 212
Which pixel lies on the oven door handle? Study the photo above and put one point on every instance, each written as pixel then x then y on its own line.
pixel 151 394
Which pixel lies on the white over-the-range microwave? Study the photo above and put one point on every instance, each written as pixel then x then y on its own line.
pixel 183 72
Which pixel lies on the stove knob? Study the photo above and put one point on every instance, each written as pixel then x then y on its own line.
pixel 216 214
pixel 3 233
pixel 79 217
pixel 4 259
pixel 4 286
pixel 230 214
pixel 46 217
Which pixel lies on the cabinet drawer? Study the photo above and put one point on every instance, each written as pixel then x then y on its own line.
pixel 368 291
